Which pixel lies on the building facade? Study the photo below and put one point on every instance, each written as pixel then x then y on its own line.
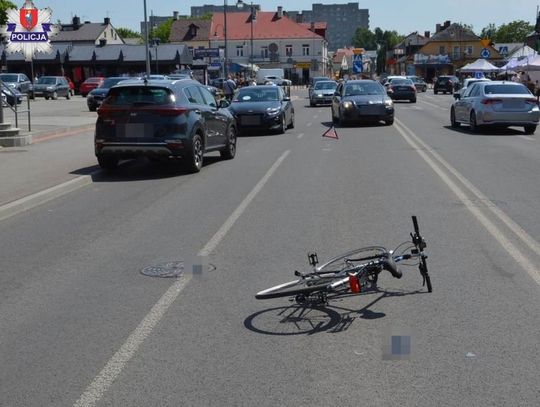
pixel 87 33
pixel 342 21
pixel 199 11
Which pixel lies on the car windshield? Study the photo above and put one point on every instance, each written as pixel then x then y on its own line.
pixel 363 89
pixel 46 80
pixel 506 89
pixel 256 94
pixel 325 85
pixel 138 95
pixel 110 82
pixel 8 78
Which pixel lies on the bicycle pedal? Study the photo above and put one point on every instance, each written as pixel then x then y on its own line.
pixel 298 274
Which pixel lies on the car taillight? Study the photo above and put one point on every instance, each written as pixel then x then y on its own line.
pixel 168 111
pixel 174 144
pixel 490 101
pixel 531 101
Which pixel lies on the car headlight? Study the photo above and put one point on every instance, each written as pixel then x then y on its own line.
pixel 12 85
pixel 388 103
pixel 347 105
pixel 90 96
pixel 272 110
pixel 319 95
pixel 50 87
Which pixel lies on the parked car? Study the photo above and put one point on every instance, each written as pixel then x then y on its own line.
pixel 97 95
pixel 313 81
pixel 496 103
pixel 90 84
pixel 402 89
pixel 468 82
pixel 445 84
pixel 18 81
pixel 264 107
pixel 323 91
pixel 163 119
pixel 363 99
pixel 52 87
pixel 419 83
pixel 10 96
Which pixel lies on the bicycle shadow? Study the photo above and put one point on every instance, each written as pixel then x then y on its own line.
pixel 298 319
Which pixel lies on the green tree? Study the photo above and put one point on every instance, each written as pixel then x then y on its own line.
pixel 364 38
pixel 162 32
pixel 516 31
pixel 4 6
pixel 128 33
pixel 489 32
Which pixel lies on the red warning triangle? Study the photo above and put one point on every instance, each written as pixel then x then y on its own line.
pixel 331 133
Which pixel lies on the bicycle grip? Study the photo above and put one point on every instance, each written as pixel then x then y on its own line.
pixel 415 224
pixel 391 266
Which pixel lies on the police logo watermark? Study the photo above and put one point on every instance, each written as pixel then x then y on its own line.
pixel 28 30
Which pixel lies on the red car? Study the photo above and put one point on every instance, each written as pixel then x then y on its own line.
pixel 90 84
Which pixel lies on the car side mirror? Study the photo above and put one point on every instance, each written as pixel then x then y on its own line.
pixel 224 103
pixel 457 96
pixel 336 94
pixel 286 99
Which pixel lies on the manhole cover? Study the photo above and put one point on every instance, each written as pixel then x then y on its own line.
pixel 165 270
pixel 174 269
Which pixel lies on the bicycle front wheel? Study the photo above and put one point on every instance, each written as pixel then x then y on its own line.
pixel 295 287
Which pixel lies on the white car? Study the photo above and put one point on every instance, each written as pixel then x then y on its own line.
pixel 468 82
pixel 277 80
pixel 496 103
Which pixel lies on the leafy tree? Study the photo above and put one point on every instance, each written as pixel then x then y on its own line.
pixel 489 32
pixel 364 38
pixel 162 32
pixel 4 6
pixel 128 33
pixel 516 31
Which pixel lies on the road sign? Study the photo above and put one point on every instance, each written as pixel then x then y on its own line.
pixel 478 75
pixel 485 53
pixel 485 43
pixel 357 64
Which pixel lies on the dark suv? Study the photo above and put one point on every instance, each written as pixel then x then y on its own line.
pixel 162 119
pixel 18 81
pixel 445 84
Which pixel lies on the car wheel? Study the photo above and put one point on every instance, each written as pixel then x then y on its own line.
pixel 68 96
pixel 107 163
pixel 195 159
pixel 31 96
pixel 334 119
pixel 283 125
pixel 311 104
pixel 389 121
pixel 46 98
pixel 435 92
pixel 55 95
pixel 453 121
pixel 92 108
pixel 413 100
pixel 291 124
pixel 341 120
pixel 530 129
pixel 472 122
pixel 229 151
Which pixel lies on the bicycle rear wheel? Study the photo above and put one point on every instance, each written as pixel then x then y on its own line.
pixel 295 287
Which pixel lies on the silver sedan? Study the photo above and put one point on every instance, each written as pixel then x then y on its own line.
pixel 496 103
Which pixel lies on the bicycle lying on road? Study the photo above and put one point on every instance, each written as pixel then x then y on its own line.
pixel 356 270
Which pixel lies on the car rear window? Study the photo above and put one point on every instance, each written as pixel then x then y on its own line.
pixel 93 80
pixel 139 95
pixel 516 89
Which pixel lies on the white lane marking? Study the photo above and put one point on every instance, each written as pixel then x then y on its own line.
pixel 497 233
pixel 433 105
pixel 315 116
pixel 300 136
pixel 527 138
pixel 31 201
pixel 101 383
pixel 309 124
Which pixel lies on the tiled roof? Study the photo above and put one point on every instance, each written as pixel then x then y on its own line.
pixel 129 53
pixel 86 32
pixel 58 50
pixel 181 30
pixel 319 25
pixel 455 32
pixel 82 53
pixel 267 25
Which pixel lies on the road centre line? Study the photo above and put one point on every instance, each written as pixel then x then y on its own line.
pixel 101 383
pixel 433 105
pixel 300 136
pixel 308 124
pixel 436 163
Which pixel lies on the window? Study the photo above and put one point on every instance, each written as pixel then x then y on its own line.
pixel 441 50
pixel 194 96
pixel 470 50
pixel 288 50
pixel 239 51
pixel 456 54
pixel 209 100
pixel 305 49
pixel 264 52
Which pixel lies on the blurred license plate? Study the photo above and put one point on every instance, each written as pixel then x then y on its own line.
pixel 403 88
pixel 512 104
pixel 131 130
pixel 250 120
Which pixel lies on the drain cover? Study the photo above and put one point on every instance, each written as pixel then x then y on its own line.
pixel 165 270
pixel 176 268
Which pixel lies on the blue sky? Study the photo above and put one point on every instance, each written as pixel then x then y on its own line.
pixel 402 16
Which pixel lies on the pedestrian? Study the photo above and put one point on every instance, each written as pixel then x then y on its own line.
pixel 229 87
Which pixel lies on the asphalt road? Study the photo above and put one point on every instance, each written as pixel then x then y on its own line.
pixel 80 325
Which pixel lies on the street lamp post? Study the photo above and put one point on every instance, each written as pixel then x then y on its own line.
pixel 240 5
pixel 146 41
pixel 155 43
pixel 226 63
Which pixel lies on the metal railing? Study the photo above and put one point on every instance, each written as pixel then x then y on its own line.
pixel 5 92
